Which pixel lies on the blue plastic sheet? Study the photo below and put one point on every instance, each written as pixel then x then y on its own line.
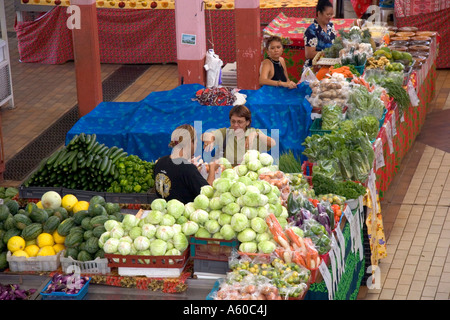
pixel 144 128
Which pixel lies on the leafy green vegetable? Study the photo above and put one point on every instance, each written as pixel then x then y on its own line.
pixel 331 117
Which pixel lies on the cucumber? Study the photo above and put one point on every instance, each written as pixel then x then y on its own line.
pixel 74 166
pixel 99 163
pixel 108 166
pixel 89 160
pixel 104 163
pixel 121 155
pixel 82 137
pixel 64 160
pixel 53 157
pixel 74 140
pixel 102 151
pixel 61 155
pixel 111 151
pixel 97 148
pixel 88 139
pixel 92 142
pixel 72 157
pixel 116 153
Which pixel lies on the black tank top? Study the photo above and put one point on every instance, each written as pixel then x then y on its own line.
pixel 278 71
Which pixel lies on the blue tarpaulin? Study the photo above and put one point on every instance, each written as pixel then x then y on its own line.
pixel 144 128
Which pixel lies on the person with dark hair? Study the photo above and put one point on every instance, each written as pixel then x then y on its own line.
pixel 234 141
pixel 273 69
pixel 321 33
pixel 175 176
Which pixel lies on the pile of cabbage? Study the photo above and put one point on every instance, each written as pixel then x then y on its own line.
pixel 156 234
pixel 236 205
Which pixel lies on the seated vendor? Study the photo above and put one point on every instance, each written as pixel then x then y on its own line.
pixel 321 33
pixel 234 141
pixel 273 69
pixel 175 176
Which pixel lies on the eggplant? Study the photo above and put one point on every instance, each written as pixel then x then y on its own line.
pixel 20 293
pixel 3 295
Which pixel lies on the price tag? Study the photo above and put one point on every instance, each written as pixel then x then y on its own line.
pixel 388 131
pixel 341 241
pixel 379 155
pixel 357 231
pixel 413 95
pixel 393 126
pixel 337 254
pixel 349 216
pixel 333 269
pixel 402 118
pixel 1 201
pixel 327 278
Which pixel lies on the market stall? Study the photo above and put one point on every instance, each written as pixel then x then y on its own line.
pixel 428 15
pixel 146 34
pixel 286 229
pixel 291 29
pixel 151 120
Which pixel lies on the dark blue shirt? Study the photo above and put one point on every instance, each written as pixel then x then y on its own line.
pixel 315 36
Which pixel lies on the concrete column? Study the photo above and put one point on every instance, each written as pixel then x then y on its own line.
pixel 82 19
pixel 248 43
pixel 191 40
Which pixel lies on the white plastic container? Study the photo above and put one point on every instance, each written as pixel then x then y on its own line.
pixel 47 263
pixel 97 266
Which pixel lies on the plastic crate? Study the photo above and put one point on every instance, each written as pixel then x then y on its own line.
pixel 316 127
pixel 383 117
pixel 97 266
pixel 82 195
pixel 45 263
pixel 130 198
pixel 36 192
pixel 360 69
pixel 211 266
pixel 64 296
pixel 139 261
pixel 212 249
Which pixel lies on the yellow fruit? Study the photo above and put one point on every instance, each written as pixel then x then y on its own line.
pixel 59 239
pixel 20 253
pixel 80 205
pixel 58 247
pixel 68 202
pixel 16 243
pixel 45 239
pixel 39 205
pixel 46 251
pixel 32 250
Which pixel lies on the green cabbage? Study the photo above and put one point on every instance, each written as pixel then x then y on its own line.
pixel 254 165
pixel 249 212
pixel 129 221
pixel 111 224
pixel 245 180
pixel 266 159
pixel 164 233
pixel 124 247
pixel 207 190
pixel 148 230
pixel 158 247
pixel 189 228
pixel 159 204
pixel 241 170
pixel 135 232
pixel 251 155
pixel 105 236
pixel 180 242
pixel 199 216
pixel 222 185
pixel 188 209
pixel 175 208
pixel 263 236
pixel 227 232
pixel 229 174
pixel 231 208
pixel 214 214
pixel 117 232
pixel 201 202
pixel 238 189
pixel 167 220
pixel 239 222
pixel 202 233
pixel 111 245
pixel 258 224
pixel 153 217
pixel 215 203
pixel 246 235
pixel 227 198
pixel 212 226
pixel 224 219
pixel 252 175
pixel 141 243
pixel 249 247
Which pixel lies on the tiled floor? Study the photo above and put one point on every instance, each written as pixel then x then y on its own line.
pixel 416 212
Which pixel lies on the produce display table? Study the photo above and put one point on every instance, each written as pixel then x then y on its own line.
pixel 347 287
pixel 291 31
pixel 406 128
pixel 150 122
pixel 144 36
pixel 429 15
